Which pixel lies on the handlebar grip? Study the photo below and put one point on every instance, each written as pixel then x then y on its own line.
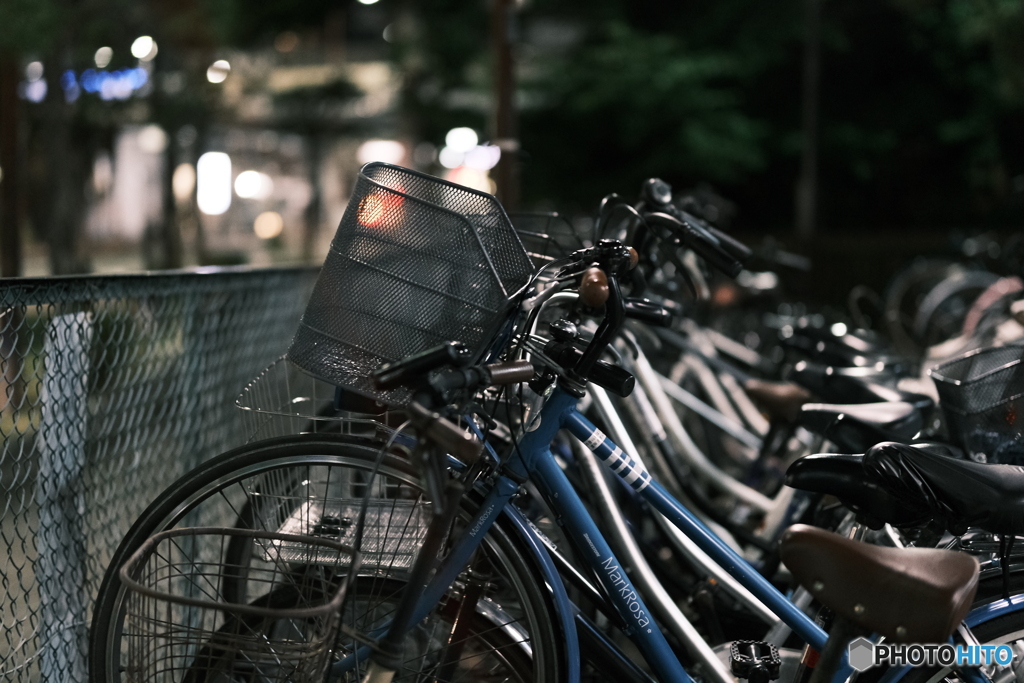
pixel 594 288
pixel 729 244
pixel 402 371
pixel 647 312
pixel 711 251
pixel 511 372
pixel 736 249
pixel 613 378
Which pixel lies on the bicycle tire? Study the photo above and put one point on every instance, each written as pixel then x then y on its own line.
pixel 1008 628
pixel 219 478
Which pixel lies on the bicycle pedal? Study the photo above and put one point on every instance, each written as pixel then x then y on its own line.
pixel 755 660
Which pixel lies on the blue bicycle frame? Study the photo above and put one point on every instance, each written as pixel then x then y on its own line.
pixel 532 458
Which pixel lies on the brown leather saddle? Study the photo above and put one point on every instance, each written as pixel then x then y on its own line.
pixel 780 400
pixel 908 595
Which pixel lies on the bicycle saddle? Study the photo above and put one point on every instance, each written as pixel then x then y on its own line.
pixel 780 400
pixel 857 427
pixel 962 493
pixel 848 350
pixel 859 341
pixel 853 385
pixel 915 595
pixel 843 476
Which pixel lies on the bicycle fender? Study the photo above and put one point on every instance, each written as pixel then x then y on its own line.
pixel 563 607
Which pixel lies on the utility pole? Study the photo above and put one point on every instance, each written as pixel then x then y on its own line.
pixel 807 183
pixel 505 128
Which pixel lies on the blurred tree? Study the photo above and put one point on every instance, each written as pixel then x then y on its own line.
pixel 27 25
pixel 920 102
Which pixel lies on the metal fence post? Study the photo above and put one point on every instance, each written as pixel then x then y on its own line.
pixel 61 539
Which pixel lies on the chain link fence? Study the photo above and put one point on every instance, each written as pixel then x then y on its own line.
pixel 111 387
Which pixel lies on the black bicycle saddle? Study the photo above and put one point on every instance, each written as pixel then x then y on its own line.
pixel 962 493
pixel 857 427
pixel 843 476
pixel 853 385
pixel 847 350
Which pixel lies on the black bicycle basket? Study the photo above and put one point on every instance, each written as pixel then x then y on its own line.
pixel 547 236
pixel 416 262
pixel 982 397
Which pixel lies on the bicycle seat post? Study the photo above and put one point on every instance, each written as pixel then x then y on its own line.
pixel 839 637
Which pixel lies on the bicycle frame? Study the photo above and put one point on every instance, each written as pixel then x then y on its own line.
pixel 532 458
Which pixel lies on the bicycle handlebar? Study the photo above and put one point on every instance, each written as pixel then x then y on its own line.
pixel 406 370
pixel 739 251
pixel 647 312
pixel 700 241
pixel 476 376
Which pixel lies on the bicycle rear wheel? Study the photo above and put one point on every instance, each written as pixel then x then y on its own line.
pixel 312 484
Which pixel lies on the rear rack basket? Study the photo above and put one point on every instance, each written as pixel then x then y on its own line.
pixel 982 397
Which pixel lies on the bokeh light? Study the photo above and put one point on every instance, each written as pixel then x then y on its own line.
pixel 183 182
pixel 253 185
pixel 34 71
pixel 103 57
pixel 461 139
pixel 144 48
pixel 218 71
pixel 268 225
pixel 483 157
pixel 388 151
pixel 471 177
pixel 213 183
pixel 379 208
pixel 152 139
pixel 286 41
pixel 450 157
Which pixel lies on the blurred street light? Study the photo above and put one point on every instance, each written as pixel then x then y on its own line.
pixel 144 48
pixel 183 182
pixel 268 225
pixel 218 71
pixel 483 157
pixel 253 185
pixel 213 183
pixel 388 151
pixel 103 57
pixel 461 139
pixel 449 157
pixel 152 139
pixel 34 88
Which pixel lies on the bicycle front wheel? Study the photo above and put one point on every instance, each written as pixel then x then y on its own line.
pixel 314 484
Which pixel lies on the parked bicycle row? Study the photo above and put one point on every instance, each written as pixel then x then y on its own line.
pixel 518 452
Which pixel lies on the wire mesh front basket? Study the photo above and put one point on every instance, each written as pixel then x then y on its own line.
pixel 284 400
pixel 416 262
pixel 180 624
pixel 982 398
pixel 546 236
